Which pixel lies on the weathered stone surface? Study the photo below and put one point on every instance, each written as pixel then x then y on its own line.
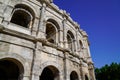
pixel 37 36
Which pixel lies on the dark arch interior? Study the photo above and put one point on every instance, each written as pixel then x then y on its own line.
pixel 21 18
pixel 74 76
pixel 69 41
pixel 86 78
pixel 50 33
pixel 54 22
pixel 81 45
pixel 9 70
pixel 71 34
pixel 49 73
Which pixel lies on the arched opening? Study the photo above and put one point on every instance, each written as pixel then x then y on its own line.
pixel 52 34
pixel 74 76
pixel 50 73
pixel 70 40
pixel 23 16
pixel 86 77
pixel 81 45
pixel 10 70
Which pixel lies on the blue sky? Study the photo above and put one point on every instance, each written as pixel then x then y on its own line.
pixel 101 20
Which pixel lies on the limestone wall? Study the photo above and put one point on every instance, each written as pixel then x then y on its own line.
pixel 24 27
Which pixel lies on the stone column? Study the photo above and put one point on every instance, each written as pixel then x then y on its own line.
pixel 41 32
pixel 35 72
pixel 75 46
pixel 35 77
pixel 91 72
pixel 81 70
pixel 78 45
pixel 86 47
pixel 34 27
pixel 64 33
pixel 61 38
pixel 7 14
pixel 66 63
pixel 2 8
pixel 57 36
pixel 76 37
pixel 26 77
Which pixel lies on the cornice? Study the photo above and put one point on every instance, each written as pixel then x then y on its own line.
pixel 61 12
pixel 34 39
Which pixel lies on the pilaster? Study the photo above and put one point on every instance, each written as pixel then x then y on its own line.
pixel 75 46
pixel 78 45
pixel 66 74
pixel 81 70
pixel 91 71
pixel 42 24
pixel 61 38
pixel 64 33
pixel 34 27
pixel 35 73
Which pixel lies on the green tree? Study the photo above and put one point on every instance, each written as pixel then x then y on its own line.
pixel 108 72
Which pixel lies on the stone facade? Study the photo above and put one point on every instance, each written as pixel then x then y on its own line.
pixel 39 41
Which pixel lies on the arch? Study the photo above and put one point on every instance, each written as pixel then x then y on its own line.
pixel 11 69
pixel 52 31
pixel 55 21
pixel 48 63
pixel 70 40
pixel 50 73
pixel 74 76
pixel 71 34
pixel 29 4
pixel 18 58
pixel 86 77
pixel 23 15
